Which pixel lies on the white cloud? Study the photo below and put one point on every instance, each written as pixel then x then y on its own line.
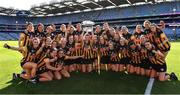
pixel 23 4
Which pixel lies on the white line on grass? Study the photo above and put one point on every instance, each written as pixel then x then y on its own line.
pixel 149 87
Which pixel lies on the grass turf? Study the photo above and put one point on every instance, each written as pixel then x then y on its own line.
pixel 107 82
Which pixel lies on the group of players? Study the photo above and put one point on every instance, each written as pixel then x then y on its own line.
pixel 50 54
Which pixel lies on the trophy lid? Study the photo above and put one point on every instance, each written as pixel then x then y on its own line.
pixel 88 23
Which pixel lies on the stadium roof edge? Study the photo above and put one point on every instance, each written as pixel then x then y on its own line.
pixel 74 6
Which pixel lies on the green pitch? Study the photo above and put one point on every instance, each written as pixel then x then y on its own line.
pixel 107 82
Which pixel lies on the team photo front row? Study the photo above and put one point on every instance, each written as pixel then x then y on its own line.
pixel 50 54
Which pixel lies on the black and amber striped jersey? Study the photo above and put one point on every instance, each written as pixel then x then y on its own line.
pixel 151 37
pixel 116 44
pixel 29 54
pixel 62 33
pixel 127 36
pixel 147 31
pixel 123 52
pixel 40 35
pixel 143 52
pixel 52 35
pixel 78 49
pixel 138 36
pixel 87 51
pixel 61 60
pixel 32 34
pixel 44 52
pixel 155 58
pixel 95 47
pixel 41 65
pixel 135 56
pixel 65 49
pixel 103 50
pixel 77 33
pixel 71 47
pixel 113 54
pixel 161 41
pixel 24 39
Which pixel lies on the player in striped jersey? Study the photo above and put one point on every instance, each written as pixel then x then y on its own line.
pixel 25 36
pixel 160 39
pixel 123 55
pixel 87 52
pixel 158 64
pixel 61 58
pixel 29 57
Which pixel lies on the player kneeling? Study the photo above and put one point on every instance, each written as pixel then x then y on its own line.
pixel 158 64
pixel 28 62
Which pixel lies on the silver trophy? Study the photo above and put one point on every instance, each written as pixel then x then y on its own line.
pixel 88 26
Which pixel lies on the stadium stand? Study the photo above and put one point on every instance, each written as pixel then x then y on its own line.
pixel 116 12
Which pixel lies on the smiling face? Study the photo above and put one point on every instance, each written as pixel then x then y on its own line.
pixel 102 41
pixel 146 24
pixel 122 42
pixel 48 41
pixel 87 37
pixel 54 44
pixel 111 46
pixel 35 42
pixel 138 29
pixel 78 27
pixel 49 29
pixel 53 53
pixel 71 39
pixel 148 45
pixel 106 26
pixel 63 41
pixel 153 28
pixel 60 53
pixel 124 29
pixel 63 27
pixel 30 27
pixel 40 27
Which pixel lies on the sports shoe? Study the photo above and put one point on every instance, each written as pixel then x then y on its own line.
pixel 33 81
pixel 173 76
pixel 23 72
pixel 6 46
pixel 14 77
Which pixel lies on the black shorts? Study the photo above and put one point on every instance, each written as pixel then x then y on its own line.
pixel 87 61
pixel 68 62
pixel 105 60
pixel 114 62
pixel 135 64
pixel 159 67
pixel 124 61
pixel 145 63
pixel 78 61
pixel 41 71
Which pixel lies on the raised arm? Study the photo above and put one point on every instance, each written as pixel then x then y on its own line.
pixel 73 57
pixel 40 49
